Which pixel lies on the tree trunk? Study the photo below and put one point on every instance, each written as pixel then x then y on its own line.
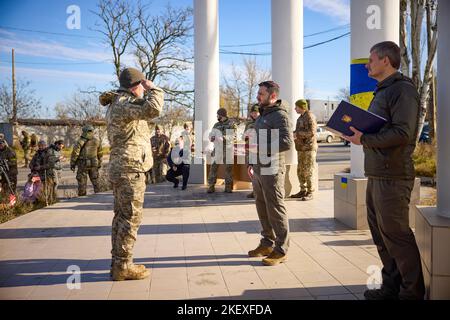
pixel 405 60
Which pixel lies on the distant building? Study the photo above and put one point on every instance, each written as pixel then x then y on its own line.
pixel 322 109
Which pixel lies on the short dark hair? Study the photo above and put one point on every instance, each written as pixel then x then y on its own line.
pixel 59 142
pixel 388 49
pixel 271 86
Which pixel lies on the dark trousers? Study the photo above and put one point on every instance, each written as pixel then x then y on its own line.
pixel 388 217
pixel 183 171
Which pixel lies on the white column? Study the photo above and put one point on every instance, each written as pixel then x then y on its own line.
pixel 443 112
pixel 206 60
pixel 287 56
pixel 372 21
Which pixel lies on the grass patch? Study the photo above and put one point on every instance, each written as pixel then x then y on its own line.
pixel 425 160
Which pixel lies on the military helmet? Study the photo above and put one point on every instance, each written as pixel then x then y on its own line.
pixel 130 77
pixel 222 112
pixel 88 128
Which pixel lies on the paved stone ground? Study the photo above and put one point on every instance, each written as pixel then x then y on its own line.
pixel 195 245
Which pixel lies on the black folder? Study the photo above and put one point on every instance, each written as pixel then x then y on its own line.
pixel 348 115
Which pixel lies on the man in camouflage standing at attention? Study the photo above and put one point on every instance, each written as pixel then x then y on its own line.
pixel 87 156
pixel 223 146
pixel 160 151
pixel 25 143
pixel 306 145
pixel 128 133
pixel 249 131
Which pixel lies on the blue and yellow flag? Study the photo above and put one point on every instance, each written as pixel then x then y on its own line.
pixel 344 182
pixel 361 85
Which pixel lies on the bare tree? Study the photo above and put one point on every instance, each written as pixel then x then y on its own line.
pixel 239 88
pixel 82 105
pixel 116 25
pixel 413 66
pixel 343 94
pixel 161 48
pixel 174 115
pixel 28 105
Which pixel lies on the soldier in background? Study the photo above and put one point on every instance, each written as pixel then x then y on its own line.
pixel 87 156
pixel 306 145
pixel 25 144
pixel 37 162
pixel 52 167
pixel 248 132
pixel 160 150
pixel 33 144
pixel 223 140
pixel 8 161
pixel 129 110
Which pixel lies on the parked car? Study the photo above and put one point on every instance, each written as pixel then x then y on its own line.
pixel 425 134
pixel 324 135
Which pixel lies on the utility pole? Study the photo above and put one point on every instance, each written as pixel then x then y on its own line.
pixel 14 102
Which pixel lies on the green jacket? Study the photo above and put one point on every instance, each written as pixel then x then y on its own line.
pixel 388 153
pixel 273 117
pixel 87 153
pixel 229 137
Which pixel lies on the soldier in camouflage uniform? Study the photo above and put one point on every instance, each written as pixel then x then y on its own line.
pixel 87 156
pixel 223 141
pixel 127 119
pixel 53 167
pixel 306 145
pixel 25 143
pixel 248 132
pixel 8 156
pixel 160 151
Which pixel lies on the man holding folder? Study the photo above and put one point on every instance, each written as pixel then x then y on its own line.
pixel 390 170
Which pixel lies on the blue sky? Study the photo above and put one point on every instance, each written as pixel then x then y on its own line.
pixel 58 65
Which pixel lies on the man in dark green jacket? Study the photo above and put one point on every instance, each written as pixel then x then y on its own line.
pixel 390 170
pixel 268 174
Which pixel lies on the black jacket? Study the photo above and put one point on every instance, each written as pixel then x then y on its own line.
pixel 388 153
pixel 176 161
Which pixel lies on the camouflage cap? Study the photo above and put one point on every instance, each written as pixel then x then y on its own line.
pixel 302 103
pixel 130 77
pixel 222 112
pixel 254 108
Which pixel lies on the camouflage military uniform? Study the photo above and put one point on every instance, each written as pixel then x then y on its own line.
pixel 52 167
pixel 8 157
pixel 130 158
pixel 25 143
pixel 87 156
pixel 227 146
pixel 160 151
pixel 306 146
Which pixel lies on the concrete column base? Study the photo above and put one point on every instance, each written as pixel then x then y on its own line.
pixel 433 237
pixel 291 183
pixel 350 201
pixel 197 173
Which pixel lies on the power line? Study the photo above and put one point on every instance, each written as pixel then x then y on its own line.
pixel 268 53
pixel 55 63
pixel 267 43
pixel 48 32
